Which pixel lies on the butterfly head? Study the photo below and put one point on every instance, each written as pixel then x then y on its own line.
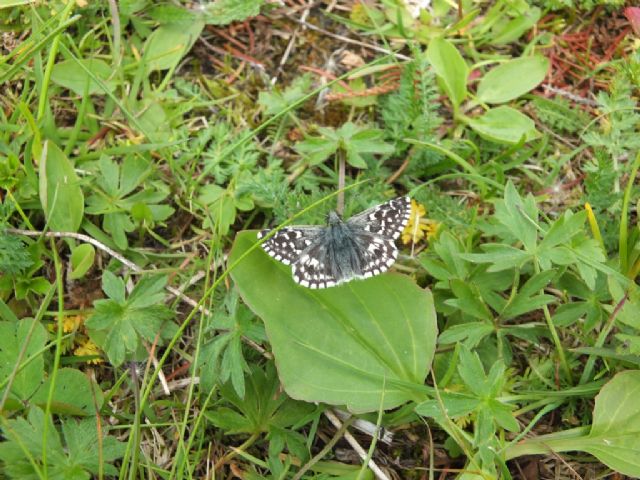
pixel 333 219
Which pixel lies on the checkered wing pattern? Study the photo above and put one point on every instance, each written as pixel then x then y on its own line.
pixel 387 219
pixel 288 243
pixel 361 247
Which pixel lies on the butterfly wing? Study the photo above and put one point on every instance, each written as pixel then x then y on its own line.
pixel 378 253
pixel 313 268
pixel 387 219
pixel 287 244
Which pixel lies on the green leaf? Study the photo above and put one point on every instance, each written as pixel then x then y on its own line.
pixel 470 333
pixel 21 452
pixel 264 406
pixel 14 336
pixel 504 125
pixel 614 438
pixel 512 79
pixel 118 325
pixel 167 44
pixel 450 68
pixel 223 12
pixel 317 149
pixel 360 344
pixel 81 260
pixel 513 29
pixel 74 394
pixel 60 193
pixel 469 300
pixel 455 404
pixel 529 297
pixel 69 74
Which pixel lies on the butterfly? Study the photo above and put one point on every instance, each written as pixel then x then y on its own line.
pixel 326 256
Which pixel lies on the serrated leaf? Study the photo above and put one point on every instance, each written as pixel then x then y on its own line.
pixel 118 325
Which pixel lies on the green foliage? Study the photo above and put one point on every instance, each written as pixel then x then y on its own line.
pixel 559 115
pixel 222 12
pixel 176 138
pixel 585 5
pixel 20 342
pixel 14 257
pixel 350 140
pixel 412 111
pixel 121 322
pixel 617 132
pixel 121 209
pixel 76 454
pixel 222 358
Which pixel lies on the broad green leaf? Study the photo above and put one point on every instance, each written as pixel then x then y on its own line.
pixel 614 438
pixel 14 336
pixel 74 394
pixel 60 193
pixel 365 343
pixel 69 74
pixel 512 79
pixel 450 68
pixel 504 125
pixel 81 260
pixel 166 45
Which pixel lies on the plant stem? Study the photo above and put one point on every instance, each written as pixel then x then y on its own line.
pixel 623 247
pixel 341 175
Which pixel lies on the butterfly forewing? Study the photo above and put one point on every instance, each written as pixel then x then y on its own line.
pixel 387 219
pixel 287 244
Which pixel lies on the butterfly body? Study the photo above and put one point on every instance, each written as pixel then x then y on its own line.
pixel 360 247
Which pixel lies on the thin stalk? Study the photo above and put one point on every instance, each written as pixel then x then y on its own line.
pixel 44 93
pixel 57 354
pixel 341 175
pixel 321 454
pixel 624 217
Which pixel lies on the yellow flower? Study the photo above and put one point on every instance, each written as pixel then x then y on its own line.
pixel 418 228
pixel 88 348
pixel 71 323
